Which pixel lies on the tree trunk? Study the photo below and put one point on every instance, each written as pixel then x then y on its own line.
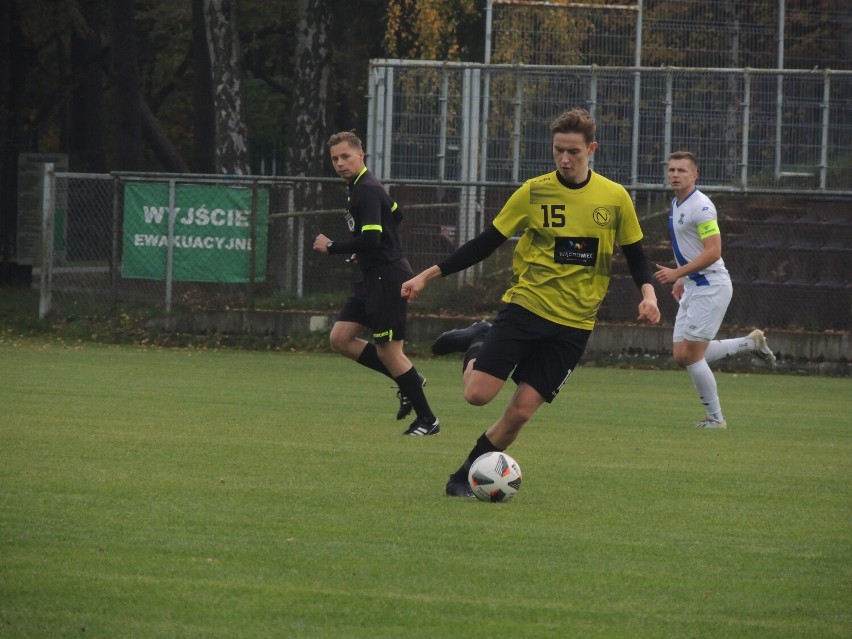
pixel 163 148
pixel 310 105
pixel 127 118
pixel 223 44
pixel 203 118
pixel 87 136
pixel 307 152
pixel 10 119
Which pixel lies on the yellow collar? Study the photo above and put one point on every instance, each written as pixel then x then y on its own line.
pixel 360 173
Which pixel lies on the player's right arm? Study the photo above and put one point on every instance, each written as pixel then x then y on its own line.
pixel 413 287
pixel 711 252
pixel 470 253
pixel 640 270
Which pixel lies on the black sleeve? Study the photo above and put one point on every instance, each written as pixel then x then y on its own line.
pixel 473 251
pixel 638 264
pixel 364 242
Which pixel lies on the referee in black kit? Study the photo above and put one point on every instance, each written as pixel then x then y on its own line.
pixel 375 303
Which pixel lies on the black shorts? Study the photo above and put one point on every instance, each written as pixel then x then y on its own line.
pixel 532 349
pixel 376 302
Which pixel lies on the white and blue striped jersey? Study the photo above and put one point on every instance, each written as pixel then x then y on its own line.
pixel 689 222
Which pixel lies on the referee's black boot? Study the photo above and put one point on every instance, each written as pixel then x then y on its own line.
pixel 459 340
pixel 423 426
pixel 405 405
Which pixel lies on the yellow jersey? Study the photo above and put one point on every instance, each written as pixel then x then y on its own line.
pixel 563 261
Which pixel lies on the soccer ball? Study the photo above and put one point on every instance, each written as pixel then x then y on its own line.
pixel 494 477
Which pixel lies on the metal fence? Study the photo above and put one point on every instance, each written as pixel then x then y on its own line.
pixel 451 141
pixel 792 34
pixel 753 130
pixel 107 248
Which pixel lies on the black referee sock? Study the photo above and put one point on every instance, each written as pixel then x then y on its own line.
pixel 483 445
pixel 411 386
pixel 369 357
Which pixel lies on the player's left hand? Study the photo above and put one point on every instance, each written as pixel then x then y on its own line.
pixel 649 312
pixel 412 288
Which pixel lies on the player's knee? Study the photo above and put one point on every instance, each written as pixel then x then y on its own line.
pixel 687 358
pixel 681 360
pixel 477 396
pixel 337 342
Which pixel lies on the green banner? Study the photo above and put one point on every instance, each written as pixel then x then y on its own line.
pixel 214 237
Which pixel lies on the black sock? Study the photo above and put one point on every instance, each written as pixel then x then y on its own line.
pixel 411 386
pixel 369 357
pixel 471 353
pixel 483 445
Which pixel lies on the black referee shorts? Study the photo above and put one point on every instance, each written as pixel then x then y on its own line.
pixel 532 349
pixel 376 302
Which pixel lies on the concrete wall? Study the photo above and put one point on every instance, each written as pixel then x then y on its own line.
pixel 829 353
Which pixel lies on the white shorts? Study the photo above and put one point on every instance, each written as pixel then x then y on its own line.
pixel 701 311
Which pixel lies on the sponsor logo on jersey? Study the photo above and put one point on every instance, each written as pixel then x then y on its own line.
pixel 582 251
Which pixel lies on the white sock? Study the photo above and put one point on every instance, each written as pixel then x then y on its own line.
pixel 705 383
pixel 717 349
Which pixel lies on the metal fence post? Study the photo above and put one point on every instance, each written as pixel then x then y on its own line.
pixel 593 104
pixel 48 213
pixel 637 100
pixel 517 126
pixel 779 91
pixel 469 150
pixel 170 247
pixel 115 259
pixel 377 128
pixel 667 125
pixel 823 153
pixel 443 99
pixel 372 106
pixel 746 124
pixel 253 249
pixel 300 242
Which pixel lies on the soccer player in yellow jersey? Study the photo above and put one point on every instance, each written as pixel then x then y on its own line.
pixel 569 221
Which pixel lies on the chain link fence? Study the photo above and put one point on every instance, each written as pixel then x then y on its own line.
pixel 688 33
pixel 451 141
pixel 245 243
pixel 752 130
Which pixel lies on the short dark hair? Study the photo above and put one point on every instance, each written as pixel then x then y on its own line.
pixel 345 136
pixel 575 121
pixel 683 155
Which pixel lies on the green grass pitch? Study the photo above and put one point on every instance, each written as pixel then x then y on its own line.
pixel 189 493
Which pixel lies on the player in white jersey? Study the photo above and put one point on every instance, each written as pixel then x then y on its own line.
pixel 702 287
